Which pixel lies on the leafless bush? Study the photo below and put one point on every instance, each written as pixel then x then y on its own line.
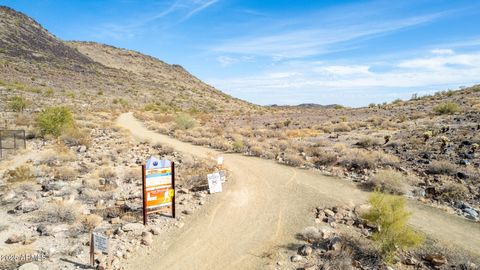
pixel 62 212
pixel 90 222
pixel 452 191
pixel 389 181
pixel 293 159
pixel 66 173
pixel 368 141
pixel 442 167
pixel 325 159
pixel 22 173
pixel 342 127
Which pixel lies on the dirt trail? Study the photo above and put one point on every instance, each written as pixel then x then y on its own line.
pixel 262 209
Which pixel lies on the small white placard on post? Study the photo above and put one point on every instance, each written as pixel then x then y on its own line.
pixel 214 182
pixel 220 160
pixel 100 242
pixel 223 176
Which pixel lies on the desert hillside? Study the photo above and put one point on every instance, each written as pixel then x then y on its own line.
pixel 47 69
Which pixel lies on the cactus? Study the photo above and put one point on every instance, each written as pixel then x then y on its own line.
pixel 445 141
pixel 474 147
pixel 387 138
pixel 427 135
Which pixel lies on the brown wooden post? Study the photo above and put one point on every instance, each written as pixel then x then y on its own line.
pixel 14 141
pixel 144 195
pixel 173 186
pixel 24 140
pixel 1 144
pixel 92 251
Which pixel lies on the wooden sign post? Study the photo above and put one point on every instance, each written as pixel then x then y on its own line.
pixel 158 183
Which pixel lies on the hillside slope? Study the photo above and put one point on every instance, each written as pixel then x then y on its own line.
pixel 48 70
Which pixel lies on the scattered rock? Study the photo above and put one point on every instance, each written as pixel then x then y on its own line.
pixel 305 250
pixel 147 238
pixel 16 238
pixel 27 205
pixel 187 212
pixel 335 243
pixel 436 259
pixel 155 231
pixel 116 220
pixel 296 258
pixel 29 266
pixel 329 213
pixel 135 228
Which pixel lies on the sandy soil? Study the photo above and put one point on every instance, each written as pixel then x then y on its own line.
pixel 262 209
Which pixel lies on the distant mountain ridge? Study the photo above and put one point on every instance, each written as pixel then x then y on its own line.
pixel 95 75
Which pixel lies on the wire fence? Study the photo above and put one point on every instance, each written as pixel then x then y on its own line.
pixel 11 140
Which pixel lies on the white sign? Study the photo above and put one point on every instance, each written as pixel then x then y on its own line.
pixel 214 182
pixel 223 176
pixel 100 242
pixel 220 161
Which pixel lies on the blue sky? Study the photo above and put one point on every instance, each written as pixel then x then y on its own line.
pixel 288 52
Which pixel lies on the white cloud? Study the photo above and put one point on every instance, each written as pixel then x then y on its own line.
pixel 178 10
pixel 343 70
pixel 439 62
pixel 442 51
pixel 308 81
pixel 316 41
pixel 226 61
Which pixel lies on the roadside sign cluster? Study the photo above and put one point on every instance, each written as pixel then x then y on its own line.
pixel 158 186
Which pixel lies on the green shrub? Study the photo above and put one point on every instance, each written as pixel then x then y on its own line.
pixel 48 92
pixel 54 121
pixel 184 121
pixel 446 108
pixel 388 213
pixel 238 146
pixel 17 103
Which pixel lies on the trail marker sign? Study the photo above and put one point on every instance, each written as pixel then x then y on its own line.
pixel 158 186
pixel 97 242
pixel 223 176
pixel 214 182
pixel 100 242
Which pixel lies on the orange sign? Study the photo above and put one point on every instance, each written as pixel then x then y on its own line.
pixel 159 197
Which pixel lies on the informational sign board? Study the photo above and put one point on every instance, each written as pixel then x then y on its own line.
pixel 223 176
pixel 100 243
pixel 220 161
pixel 158 183
pixel 158 186
pixel 214 182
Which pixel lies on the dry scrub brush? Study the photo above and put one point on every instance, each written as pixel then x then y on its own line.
pixel 390 181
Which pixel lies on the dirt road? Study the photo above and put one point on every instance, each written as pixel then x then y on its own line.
pixel 262 209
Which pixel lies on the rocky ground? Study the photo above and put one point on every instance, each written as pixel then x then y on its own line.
pixel 57 191
pixel 340 239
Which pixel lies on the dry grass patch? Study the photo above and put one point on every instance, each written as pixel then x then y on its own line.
pixel 389 181
pixel 20 174
pixel 442 167
pixel 66 173
pixel 90 222
pixel 61 212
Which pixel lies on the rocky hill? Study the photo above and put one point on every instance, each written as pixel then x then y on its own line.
pixel 48 70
